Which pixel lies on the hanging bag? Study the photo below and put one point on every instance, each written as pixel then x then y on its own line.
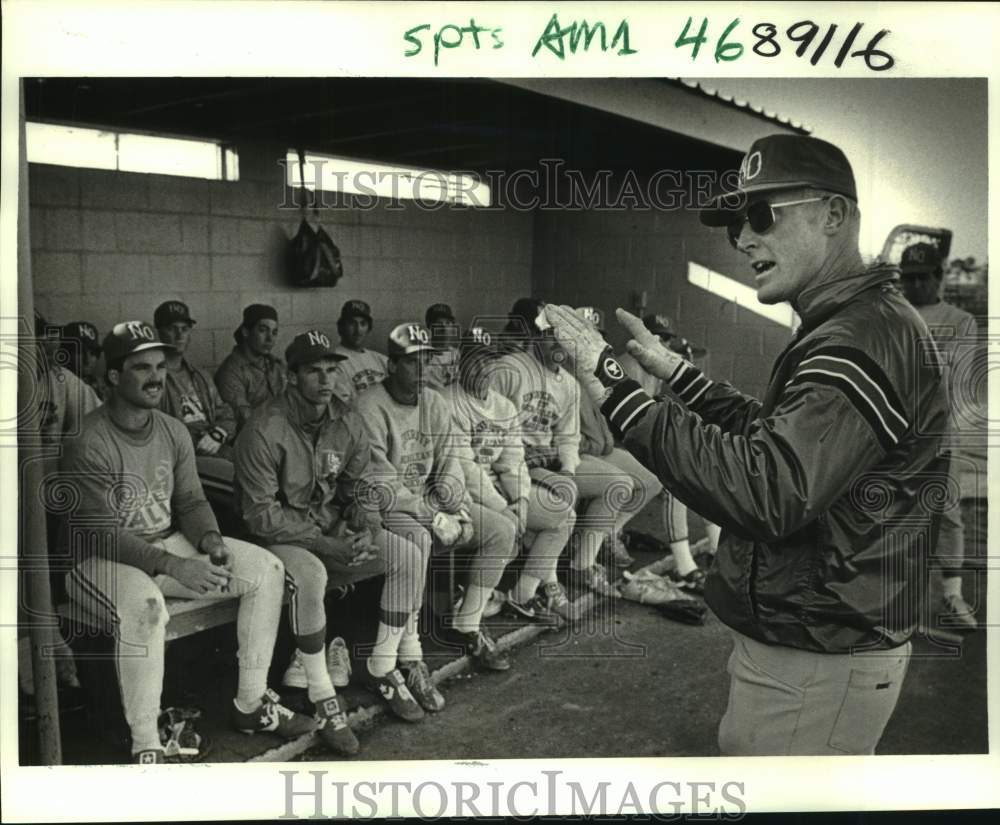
pixel 313 257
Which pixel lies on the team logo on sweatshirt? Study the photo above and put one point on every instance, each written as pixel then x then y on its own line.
pixel 331 462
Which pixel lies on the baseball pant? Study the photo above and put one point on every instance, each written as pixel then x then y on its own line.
pixel 551 518
pixel 608 493
pixel 949 551
pixel 789 702
pixel 674 517
pixel 131 604
pixel 307 576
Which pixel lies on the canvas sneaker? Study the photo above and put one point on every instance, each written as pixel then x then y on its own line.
pixel 334 730
pixel 957 613
pixel 480 647
pixel 272 717
pixel 418 680
pixel 338 662
pixel 393 690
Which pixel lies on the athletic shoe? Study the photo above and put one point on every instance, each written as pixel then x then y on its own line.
pixel 152 756
pixel 295 674
pixel 333 728
pixel 693 582
pixel 418 680
pixel 338 662
pixel 479 646
pixel 646 588
pixel 957 613
pixel 557 604
pixel 520 610
pixel 392 688
pixel 272 717
pixel 619 555
pixel 594 578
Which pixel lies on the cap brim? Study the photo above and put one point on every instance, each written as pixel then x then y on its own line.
pixel 410 350
pixel 333 356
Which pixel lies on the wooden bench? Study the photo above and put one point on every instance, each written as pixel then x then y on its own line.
pixel 187 616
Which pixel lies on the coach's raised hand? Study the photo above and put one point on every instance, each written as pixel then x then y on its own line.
pixel 646 348
pixel 582 342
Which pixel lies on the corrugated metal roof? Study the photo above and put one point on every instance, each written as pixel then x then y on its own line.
pixel 695 87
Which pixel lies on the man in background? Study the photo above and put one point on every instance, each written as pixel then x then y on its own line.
pixel 250 375
pixel 955 332
pixel 362 367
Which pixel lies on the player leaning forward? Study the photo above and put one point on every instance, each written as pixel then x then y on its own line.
pixel 134 469
pixel 817 486
pixel 301 463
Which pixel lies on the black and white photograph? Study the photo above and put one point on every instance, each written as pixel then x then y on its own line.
pixel 446 419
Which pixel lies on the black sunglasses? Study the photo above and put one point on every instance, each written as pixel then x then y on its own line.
pixel 760 215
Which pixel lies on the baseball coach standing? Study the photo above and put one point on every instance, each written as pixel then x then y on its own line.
pixel 821 486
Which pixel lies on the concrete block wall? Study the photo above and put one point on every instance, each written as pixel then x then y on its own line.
pixel 602 258
pixel 111 246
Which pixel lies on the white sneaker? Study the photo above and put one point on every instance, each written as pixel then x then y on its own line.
pixel 295 675
pixel 338 662
pixel 494 605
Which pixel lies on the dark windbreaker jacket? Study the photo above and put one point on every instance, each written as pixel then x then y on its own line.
pixel 826 489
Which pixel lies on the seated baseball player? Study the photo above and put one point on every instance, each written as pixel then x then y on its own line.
pixel 301 464
pixel 413 450
pixel 446 336
pixel 250 375
pixel 547 399
pixel 497 478
pixel 148 532
pixel 189 395
pixel 362 367
pixel 82 345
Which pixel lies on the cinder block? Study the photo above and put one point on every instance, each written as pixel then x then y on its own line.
pixel 243 199
pixel 775 339
pixel 194 233
pixel 169 193
pixel 62 229
pixel 56 272
pixel 233 273
pixel 114 273
pixel 309 309
pixel 53 185
pixel 225 235
pixel 99 231
pixel 136 232
pixel 185 273
pixel 379 273
pixel 103 311
pixel 101 189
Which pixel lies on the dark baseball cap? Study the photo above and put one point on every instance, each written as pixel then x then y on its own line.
pixel 255 313
pixel 658 325
pixel 409 338
pixel 920 259
pixel 356 309
pixel 128 338
pixel 523 316
pixel 783 162
pixel 83 332
pixel 477 341
pixel 309 347
pixel 170 312
pixel 438 312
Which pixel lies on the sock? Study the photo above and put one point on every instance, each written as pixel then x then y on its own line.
pixel 526 587
pixel 682 555
pixel 318 677
pixel 146 736
pixel 952 586
pixel 713 531
pixel 383 657
pixel 409 646
pixel 471 612
pixel 589 546
pixel 253 683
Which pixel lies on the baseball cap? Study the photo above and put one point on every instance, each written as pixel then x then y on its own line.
pixel 595 316
pixel 255 313
pixel 783 162
pixel 523 316
pixel 169 312
pixel 438 312
pixel 84 333
pixel 920 258
pixel 310 346
pixel 355 308
pixel 128 338
pixel 658 325
pixel 408 338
